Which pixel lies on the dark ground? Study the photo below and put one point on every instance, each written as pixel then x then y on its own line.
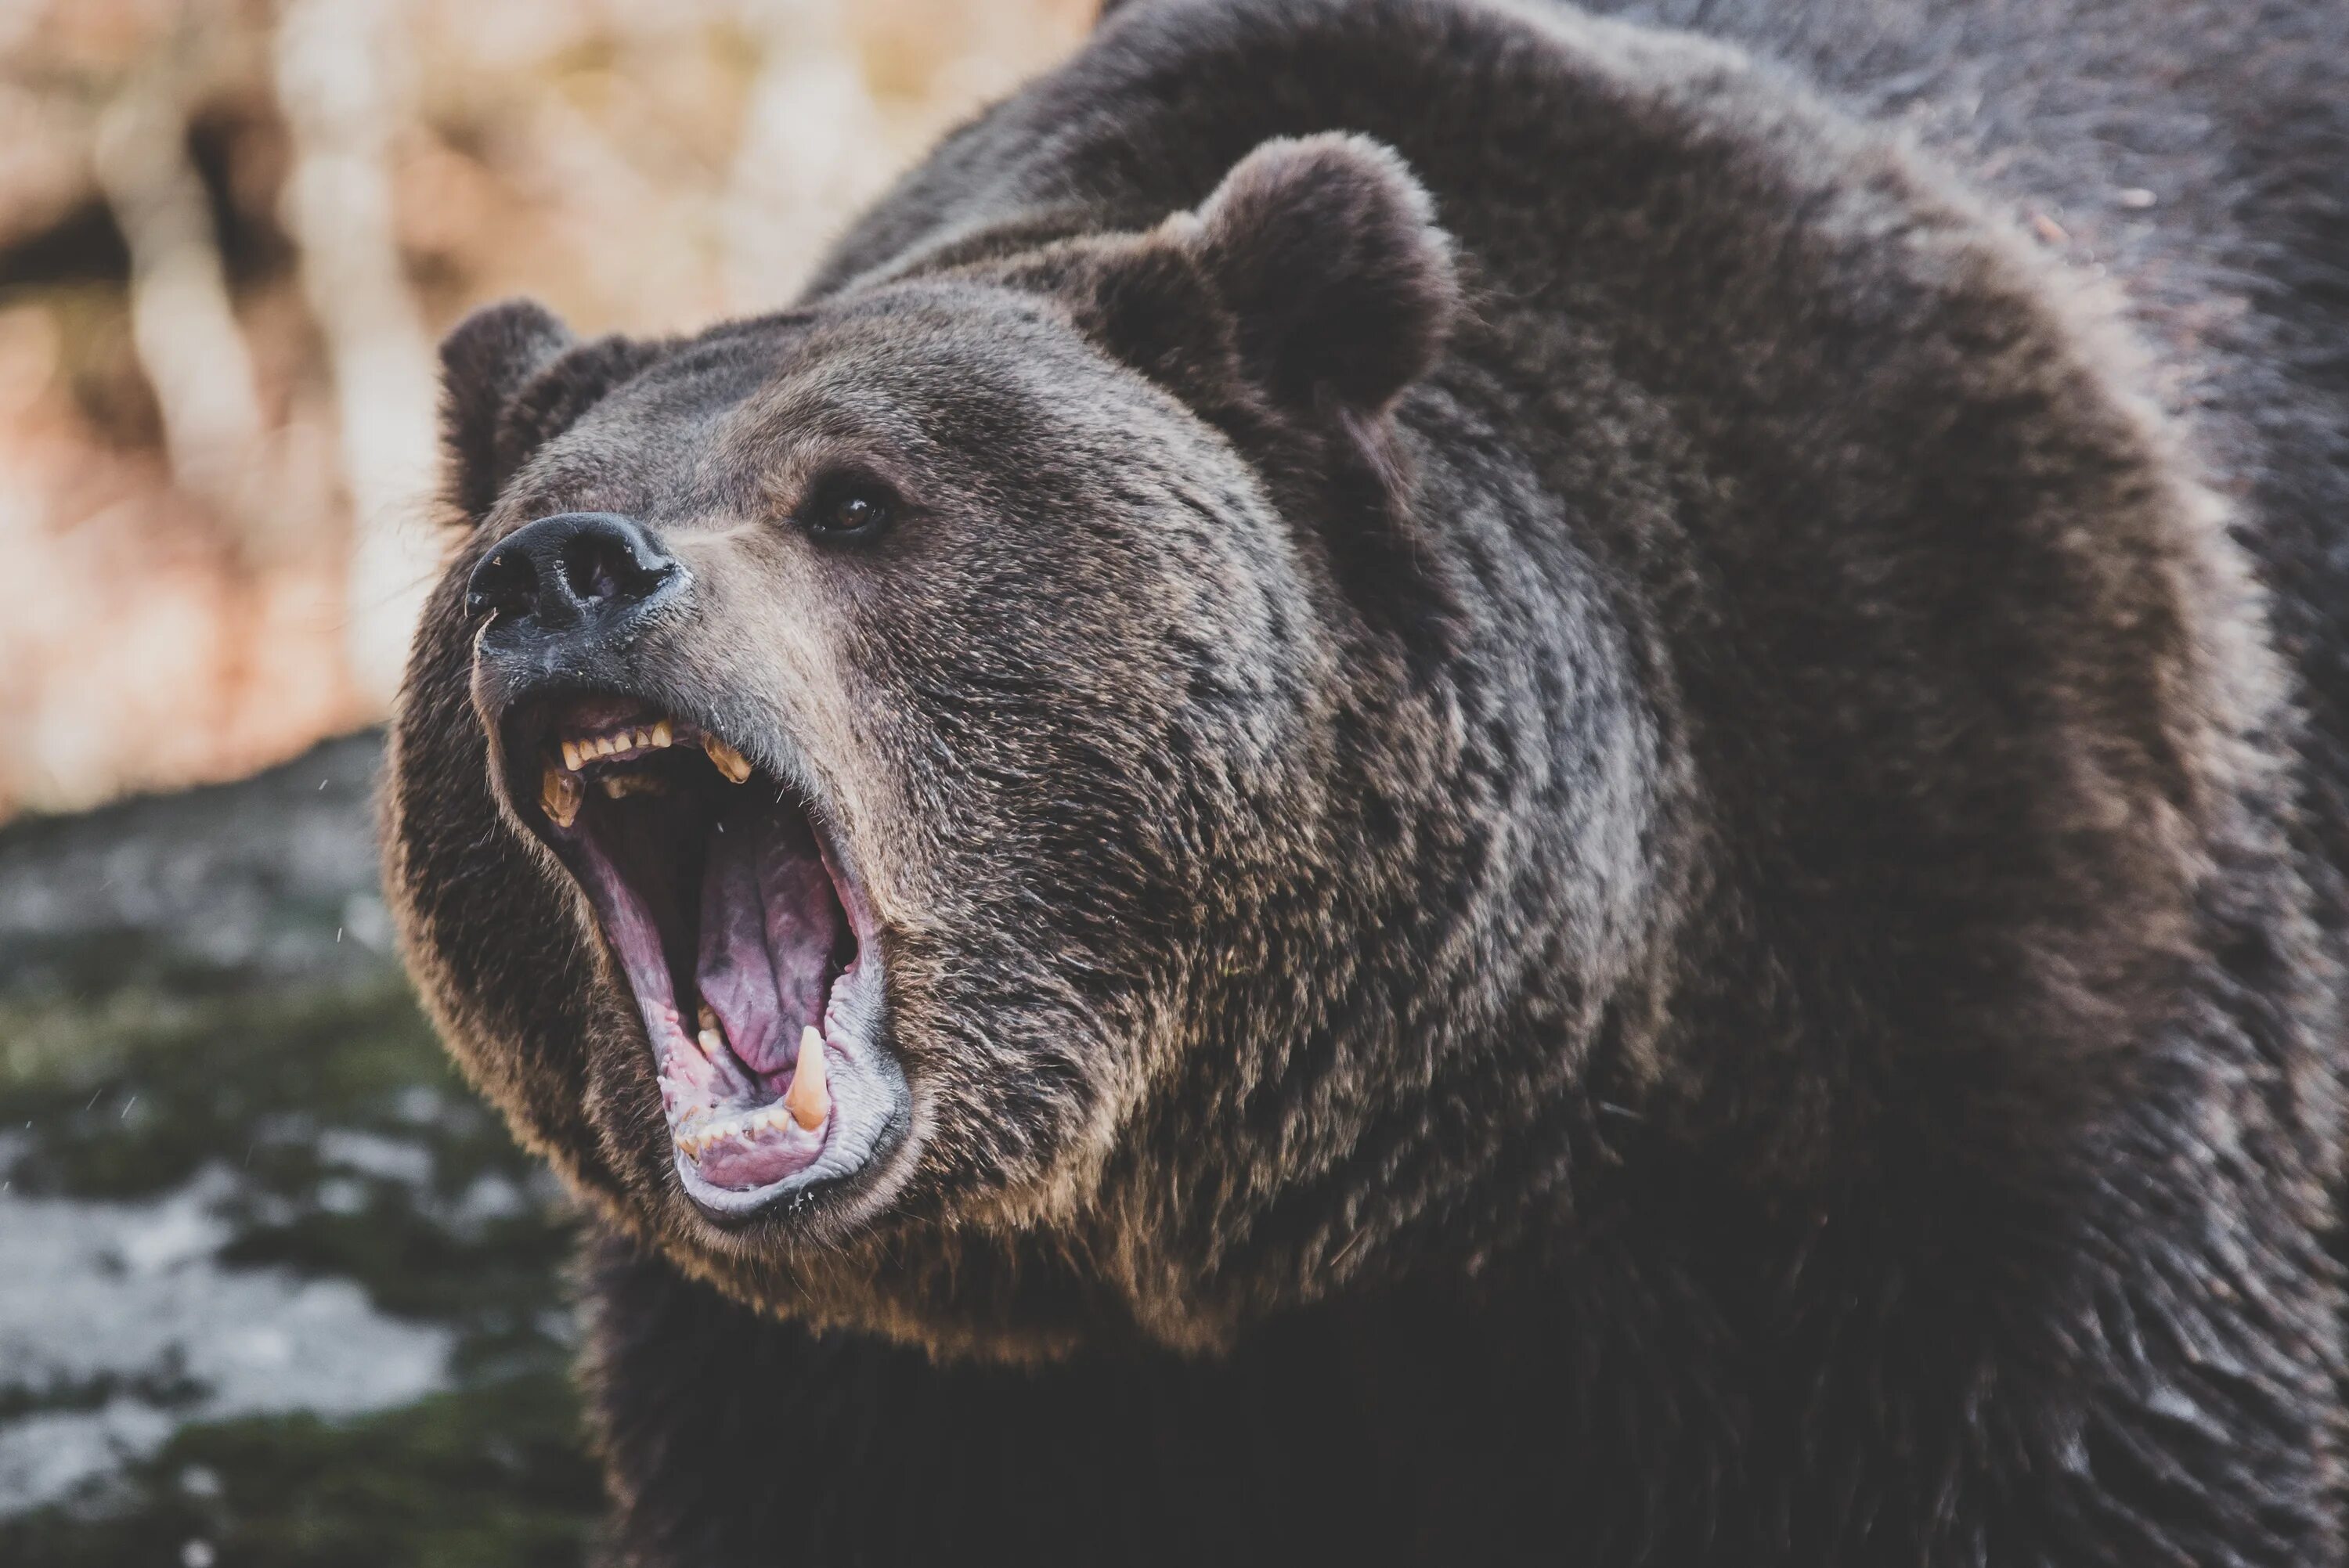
pixel 274 1288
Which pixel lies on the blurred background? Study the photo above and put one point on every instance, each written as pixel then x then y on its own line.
pixel 273 1288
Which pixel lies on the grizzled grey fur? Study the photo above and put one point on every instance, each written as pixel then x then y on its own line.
pixel 1605 771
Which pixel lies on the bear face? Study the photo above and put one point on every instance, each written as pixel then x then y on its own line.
pixel 857 730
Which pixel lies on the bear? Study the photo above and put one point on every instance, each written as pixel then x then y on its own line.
pixel 1445 780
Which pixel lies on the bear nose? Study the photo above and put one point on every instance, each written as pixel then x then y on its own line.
pixel 578 569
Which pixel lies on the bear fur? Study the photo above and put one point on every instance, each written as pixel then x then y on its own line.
pixel 1604 773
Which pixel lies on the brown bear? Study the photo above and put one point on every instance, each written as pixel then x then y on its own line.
pixel 1428 780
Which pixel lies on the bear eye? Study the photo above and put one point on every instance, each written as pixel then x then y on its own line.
pixel 851 509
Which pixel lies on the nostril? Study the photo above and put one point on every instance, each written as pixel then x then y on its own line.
pixel 506 582
pixel 589 570
pixel 559 572
pixel 599 565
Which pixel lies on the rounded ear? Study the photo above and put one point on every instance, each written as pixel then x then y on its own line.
pixel 1290 309
pixel 512 377
pixel 486 359
pixel 1325 252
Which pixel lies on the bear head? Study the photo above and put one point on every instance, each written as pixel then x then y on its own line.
pixel 867 773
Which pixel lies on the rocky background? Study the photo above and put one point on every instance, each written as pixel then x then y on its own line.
pixel 274 1288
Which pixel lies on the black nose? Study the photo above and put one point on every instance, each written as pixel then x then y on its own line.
pixel 580 569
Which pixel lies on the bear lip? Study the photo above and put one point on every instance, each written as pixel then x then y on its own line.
pixel 724 897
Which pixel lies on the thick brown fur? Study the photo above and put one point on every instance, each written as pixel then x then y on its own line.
pixel 1606 814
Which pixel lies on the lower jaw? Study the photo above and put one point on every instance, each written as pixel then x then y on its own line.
pixel 732 1177
pixel 736 1145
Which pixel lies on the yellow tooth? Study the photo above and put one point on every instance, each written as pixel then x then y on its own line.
pixel 559 792
pixel 571 755
pixel 619 784
pixel 662 734
pixel 730 762
pixel 605 747
pixel 808 1102
pixel 710 1044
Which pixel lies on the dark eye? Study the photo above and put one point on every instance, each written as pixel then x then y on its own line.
pixel 847 511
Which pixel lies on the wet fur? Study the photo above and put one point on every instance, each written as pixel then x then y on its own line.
pixel 1730 955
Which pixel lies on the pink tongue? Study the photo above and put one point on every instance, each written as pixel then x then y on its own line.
pixel 769 922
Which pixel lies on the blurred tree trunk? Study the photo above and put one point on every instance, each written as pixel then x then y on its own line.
pixel 337 66
pixel 183 324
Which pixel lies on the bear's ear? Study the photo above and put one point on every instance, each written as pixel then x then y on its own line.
pixel 485 360
pixel 1325 254
pixel 512 377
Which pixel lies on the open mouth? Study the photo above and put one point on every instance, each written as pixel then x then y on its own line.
pixel 725 900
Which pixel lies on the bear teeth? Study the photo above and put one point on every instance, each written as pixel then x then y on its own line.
pixel 618 785
pixel 809 1101
pixel 700 1139
pixel 625 741
pixel 730 762
pixel 561 790
pixel 559 793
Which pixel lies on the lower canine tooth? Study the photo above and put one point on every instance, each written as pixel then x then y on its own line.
pixel 809 1101
pixel 560 792
pixel 730 762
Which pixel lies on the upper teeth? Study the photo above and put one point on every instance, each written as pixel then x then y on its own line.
pixel 560 792
pixel 617 742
